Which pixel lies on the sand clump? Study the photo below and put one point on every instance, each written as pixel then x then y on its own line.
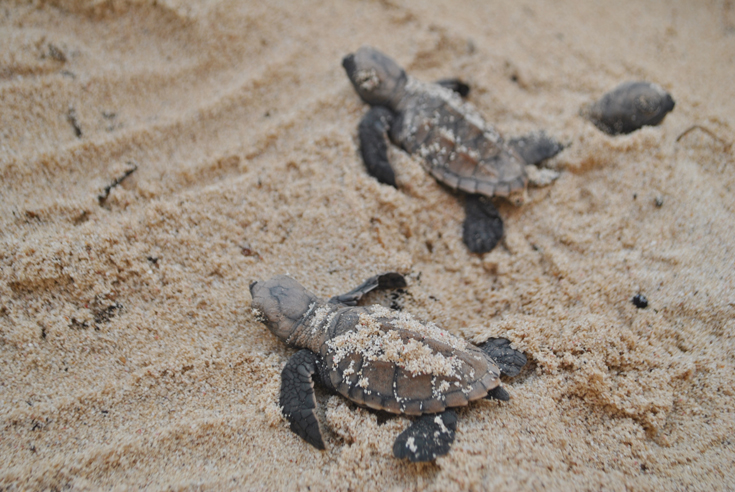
pixel 377 337
pixel 130 356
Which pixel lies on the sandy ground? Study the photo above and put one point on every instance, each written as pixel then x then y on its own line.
pixel 129 354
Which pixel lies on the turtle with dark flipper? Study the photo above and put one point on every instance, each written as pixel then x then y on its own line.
pixel 380 359
pixel 455 144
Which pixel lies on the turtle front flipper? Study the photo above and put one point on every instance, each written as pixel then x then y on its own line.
pixel 483 226
pixel 509 360
pixel 390 280
pixel 297 396
pixel 427 438
pixel 455 85
pixel 373 132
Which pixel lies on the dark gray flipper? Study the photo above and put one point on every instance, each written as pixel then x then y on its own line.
pixel 535 147
pixel 455 85
pixel 426 438
pixel 373 132
pixel 483 226
pixel 509 360
pixel 498 393
pixel 390 280
pixel 297 396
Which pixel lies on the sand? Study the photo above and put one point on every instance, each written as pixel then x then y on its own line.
pixel 129 354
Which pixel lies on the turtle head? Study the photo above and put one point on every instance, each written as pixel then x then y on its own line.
pixel 280 303
pixel 377 79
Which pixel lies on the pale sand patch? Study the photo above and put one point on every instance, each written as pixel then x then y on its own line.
pixel 129 354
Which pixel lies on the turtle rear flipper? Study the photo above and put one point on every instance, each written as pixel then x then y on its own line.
pixel 427 438
pixel 535 147
pixel 297 397
pixel 483 227
pixel 373 133
pixel 509 360
pixel 390 280
pixel 498 393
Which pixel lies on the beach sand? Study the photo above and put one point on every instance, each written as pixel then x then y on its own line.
pixel 129 354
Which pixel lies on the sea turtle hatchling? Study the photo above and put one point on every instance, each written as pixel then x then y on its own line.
pixel 454 142
pixel 378 358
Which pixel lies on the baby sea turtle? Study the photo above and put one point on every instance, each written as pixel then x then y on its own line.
pixel 455 143
pixel 378 358
pixel 628 107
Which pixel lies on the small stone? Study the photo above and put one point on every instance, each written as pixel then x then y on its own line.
pixel 628 107
pixel 640 301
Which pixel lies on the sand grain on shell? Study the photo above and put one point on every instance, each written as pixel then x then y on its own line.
pixel 129 355
pixel 377 337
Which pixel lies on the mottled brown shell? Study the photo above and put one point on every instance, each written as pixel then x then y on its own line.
pixel 456 145
pixel 385 385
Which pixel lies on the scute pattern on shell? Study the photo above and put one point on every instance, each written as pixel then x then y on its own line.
pixel 457 147
pixel 390 361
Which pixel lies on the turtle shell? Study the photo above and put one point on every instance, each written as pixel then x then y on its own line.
pixel 387 360
pixel 456 145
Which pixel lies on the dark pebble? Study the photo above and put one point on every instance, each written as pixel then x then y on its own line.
pixel 630 106
pixel 640 301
